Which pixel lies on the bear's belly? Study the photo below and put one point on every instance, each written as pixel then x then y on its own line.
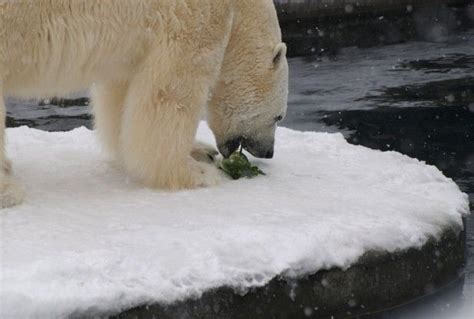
pixel 68 69
pixel 42 82
pixel 29 85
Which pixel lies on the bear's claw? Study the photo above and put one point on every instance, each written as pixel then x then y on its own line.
pixel 202 152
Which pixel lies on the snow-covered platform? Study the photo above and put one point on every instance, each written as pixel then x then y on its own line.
pixel 89 241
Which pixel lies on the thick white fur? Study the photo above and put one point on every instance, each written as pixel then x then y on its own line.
pixel 154 66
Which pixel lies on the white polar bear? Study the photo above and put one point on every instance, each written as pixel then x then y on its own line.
pixel 154 67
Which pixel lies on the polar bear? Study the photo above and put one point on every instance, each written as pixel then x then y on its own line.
pixel 154 67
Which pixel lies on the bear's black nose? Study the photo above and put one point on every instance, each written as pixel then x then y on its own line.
pixel 269 154
pixel 230 146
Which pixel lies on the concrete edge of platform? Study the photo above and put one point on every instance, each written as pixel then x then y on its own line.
pixel 378 281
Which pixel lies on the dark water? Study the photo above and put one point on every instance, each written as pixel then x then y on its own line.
pixel 416 98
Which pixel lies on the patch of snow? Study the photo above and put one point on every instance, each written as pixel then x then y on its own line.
pixel 88 240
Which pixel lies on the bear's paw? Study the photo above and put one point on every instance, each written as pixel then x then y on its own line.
pixel 11 193
pixel 206 175
pixel 202 152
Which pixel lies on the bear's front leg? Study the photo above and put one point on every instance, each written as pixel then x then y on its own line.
pixel 11 193
pixel 160 119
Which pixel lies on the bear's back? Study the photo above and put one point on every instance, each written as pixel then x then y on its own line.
pixel 51 47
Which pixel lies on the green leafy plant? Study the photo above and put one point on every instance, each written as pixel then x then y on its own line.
pixel 238 166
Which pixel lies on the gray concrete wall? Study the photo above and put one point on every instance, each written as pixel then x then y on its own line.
pixel 289 10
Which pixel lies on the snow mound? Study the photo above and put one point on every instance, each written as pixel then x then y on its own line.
pixel 87 240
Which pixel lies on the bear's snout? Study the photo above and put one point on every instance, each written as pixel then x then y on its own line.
pixel 260 149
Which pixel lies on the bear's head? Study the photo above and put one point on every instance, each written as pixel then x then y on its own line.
pixel 250 96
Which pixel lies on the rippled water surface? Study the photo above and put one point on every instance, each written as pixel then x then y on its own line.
pixel 416 98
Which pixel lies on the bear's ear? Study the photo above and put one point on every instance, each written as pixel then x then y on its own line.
pixel 278 53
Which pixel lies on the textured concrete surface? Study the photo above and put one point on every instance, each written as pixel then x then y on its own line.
pixel 325 31
pixel 378 281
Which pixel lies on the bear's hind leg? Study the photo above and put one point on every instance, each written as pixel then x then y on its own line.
pixel 108 102
pixel 11 193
